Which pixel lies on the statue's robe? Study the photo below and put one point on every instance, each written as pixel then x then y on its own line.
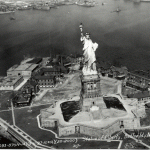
pixel 89 49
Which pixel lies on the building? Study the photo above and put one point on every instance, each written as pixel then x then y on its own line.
pixel 10 83
pixel 19 101
pixel 24 70
pixel 117 71
pixel 45 81
pixel 55 71
pixel 75 59
pixel 103 67
pixel 143 97
pixel 139 80
pixel 35 61
pixel 30 88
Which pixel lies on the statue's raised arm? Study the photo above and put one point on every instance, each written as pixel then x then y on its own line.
pixel 89 49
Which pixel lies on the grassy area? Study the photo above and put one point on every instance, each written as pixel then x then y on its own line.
pixel 146 120
pixel 55 95
pixel 27 122
pixel 4 97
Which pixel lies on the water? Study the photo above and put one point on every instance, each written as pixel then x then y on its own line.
pixel 121 36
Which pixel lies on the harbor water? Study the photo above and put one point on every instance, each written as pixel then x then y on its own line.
pixel 123 37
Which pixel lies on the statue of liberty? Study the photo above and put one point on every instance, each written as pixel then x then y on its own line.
pixel 89 49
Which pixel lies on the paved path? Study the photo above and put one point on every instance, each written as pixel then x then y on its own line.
pixel 37 98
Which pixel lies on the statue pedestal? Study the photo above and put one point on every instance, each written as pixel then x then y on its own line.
pixel 90 91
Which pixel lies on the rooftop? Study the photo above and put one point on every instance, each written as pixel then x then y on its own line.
pixel 23 67
pixel 35 60
pixel 50 69
pixel 9 81
pixel 140 95
pixel 44 77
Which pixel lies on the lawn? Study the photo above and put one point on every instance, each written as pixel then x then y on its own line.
pixel 146 120
pixel 27 122
pixel 4 97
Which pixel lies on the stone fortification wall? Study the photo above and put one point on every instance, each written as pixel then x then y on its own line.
pixel 45 114
pixel 107 131
pixel 65 131
pixel 49 122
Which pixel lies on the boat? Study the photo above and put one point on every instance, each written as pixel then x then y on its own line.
pixel 12 18
pixel 117 10
pixel 5 12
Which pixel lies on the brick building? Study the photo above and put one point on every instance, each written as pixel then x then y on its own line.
pixel 141 96
pixel 139 80
pixel 45 81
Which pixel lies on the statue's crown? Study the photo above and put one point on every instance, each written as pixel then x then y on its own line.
pixel 87 33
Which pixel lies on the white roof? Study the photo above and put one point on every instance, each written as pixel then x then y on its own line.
pixel 23 67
